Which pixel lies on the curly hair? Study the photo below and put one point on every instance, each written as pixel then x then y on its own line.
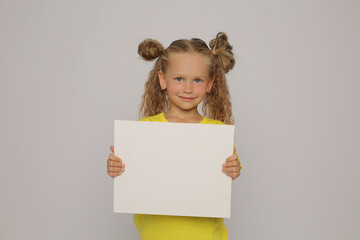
pixel 216 104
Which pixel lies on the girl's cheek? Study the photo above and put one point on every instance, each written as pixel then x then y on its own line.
pixel 172 87
pixel 175 88
pixel 201 89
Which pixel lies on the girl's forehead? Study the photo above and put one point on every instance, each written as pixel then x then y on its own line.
pixel 188 64
pixel 178 58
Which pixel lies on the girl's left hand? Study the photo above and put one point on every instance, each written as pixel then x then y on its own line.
pixel 231 167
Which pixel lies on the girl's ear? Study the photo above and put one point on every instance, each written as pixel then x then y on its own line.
pixel 162 81
pixel 208 88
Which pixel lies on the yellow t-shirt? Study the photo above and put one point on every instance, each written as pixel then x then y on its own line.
pixel 160 227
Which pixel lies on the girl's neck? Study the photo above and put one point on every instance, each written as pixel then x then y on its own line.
pixel 183 116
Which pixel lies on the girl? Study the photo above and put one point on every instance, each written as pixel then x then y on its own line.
pixel 185 74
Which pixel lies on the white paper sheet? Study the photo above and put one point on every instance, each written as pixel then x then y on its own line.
pixel 173 168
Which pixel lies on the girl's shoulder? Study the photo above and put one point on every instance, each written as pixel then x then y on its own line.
pixel 156 118
pixel 211 121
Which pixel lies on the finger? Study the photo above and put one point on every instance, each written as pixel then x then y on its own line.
pixel 115 169
pixel 234 150
pixel 111 174
pixel 231 164
pixel 231 169
pixel 232 158
pixel 234 175
pixel 115 163
pixel 113 157
pixel 112 148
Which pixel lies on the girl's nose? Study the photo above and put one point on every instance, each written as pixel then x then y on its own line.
pixel 188 87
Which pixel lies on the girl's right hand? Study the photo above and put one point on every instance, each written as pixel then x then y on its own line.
pixel 115 166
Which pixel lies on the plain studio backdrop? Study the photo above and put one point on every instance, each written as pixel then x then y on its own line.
pixel 68 69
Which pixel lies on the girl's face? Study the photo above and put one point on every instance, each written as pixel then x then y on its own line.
pixel 186 80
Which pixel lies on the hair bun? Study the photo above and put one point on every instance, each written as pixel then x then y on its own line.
pixel 149 49
pixel 221 48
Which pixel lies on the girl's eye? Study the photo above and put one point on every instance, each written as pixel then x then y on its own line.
pixel 179 79
pixel 198 80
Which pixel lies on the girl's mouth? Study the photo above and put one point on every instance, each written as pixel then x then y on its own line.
pixel 188 99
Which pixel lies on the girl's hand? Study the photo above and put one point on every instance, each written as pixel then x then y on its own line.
pixel 115 166
pixel 231 167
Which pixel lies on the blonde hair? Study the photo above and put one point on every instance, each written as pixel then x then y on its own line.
pixel 216 104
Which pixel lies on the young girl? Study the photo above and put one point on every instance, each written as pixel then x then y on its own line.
pixel 185 74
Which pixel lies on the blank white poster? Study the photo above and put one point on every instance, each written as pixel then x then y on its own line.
pixel 173 168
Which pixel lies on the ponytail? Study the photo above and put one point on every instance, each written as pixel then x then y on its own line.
pixel 223 50
pixel 150 49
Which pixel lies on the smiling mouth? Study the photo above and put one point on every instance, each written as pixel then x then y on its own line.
pixel 188 99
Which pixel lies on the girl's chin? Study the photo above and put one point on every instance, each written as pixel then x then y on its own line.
pixel 183 107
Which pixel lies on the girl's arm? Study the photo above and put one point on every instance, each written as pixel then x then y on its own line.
pixel 232 166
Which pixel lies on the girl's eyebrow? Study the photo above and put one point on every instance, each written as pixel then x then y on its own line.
pixel 200 77
pixel 177 74
pixel 181 75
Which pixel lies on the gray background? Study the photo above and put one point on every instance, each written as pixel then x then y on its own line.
pixel 69 68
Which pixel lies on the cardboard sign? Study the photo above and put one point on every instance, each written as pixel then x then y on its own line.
pixel 173 168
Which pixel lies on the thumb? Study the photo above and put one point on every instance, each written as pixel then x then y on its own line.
pixel 112 148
